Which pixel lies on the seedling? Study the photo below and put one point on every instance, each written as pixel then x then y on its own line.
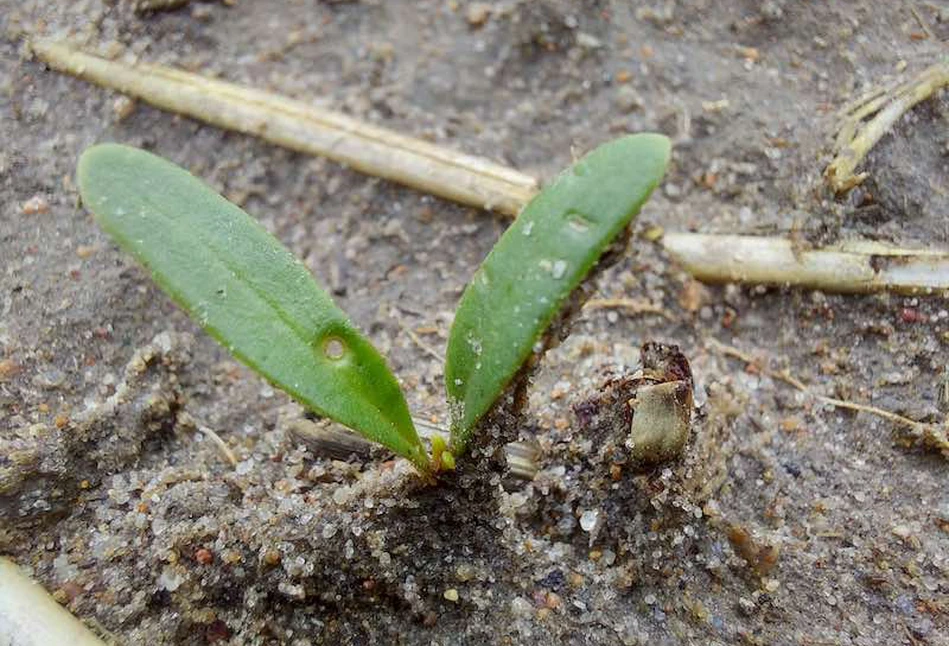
pixel 249 292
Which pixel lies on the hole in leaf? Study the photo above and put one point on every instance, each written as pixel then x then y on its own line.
pixel 334 348
pixel 577 222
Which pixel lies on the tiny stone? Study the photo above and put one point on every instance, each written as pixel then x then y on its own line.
pixel 8 368
pixel 35 205
pixel 123 107
pixel 522 607
pixel 588 520
pixel 202 14
pixel 588 41
pixel 451 595
pixel 170 580
pixel 478 14
pixel 627 99
pixel 464 572
pixel 341 495
pixel 291 590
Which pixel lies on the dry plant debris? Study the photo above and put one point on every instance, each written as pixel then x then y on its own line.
pixel 854 267
pixel 883 107
pixel 930 436
pixel 305 128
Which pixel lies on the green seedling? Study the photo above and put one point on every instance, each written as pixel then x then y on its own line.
pixel 246 290
pixel 532 270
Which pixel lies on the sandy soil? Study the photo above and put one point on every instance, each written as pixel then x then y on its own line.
pixel 787 522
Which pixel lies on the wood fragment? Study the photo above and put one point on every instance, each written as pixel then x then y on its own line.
pixel 932 436
pixel 29 616
pixel 327 438
pixel 187 422
pixel 855 267
pixel 154 6
pixel 300 126
pixel 921 22
pixel 854 142
pixel 522 459
pixel 220 444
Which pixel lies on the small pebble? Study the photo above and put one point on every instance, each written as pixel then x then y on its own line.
pixel 627 99
pixel 123 107
pixel 588 41
pixel 451 595
pixel 9 368
pixel 478 14
pixel 464 572
pixel 747 606
pixel 35 205
pixel 588 520
pixel 912 315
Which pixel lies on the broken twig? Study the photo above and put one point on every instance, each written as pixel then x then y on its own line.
pixel 305 128
pixel 852 146
pixel 435 354
pixel 856 267
pixel 220 444
pixel 932 436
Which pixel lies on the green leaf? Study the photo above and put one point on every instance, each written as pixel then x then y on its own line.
pixel 247 291
pixel 531 271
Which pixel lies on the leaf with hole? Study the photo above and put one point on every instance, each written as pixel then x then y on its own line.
pixel 532 270
pixel 247 291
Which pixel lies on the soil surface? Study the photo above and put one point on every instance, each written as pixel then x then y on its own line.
pixel 786 522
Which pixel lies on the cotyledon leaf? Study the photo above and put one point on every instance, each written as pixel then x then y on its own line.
pixel 247 291
pixel 541 258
